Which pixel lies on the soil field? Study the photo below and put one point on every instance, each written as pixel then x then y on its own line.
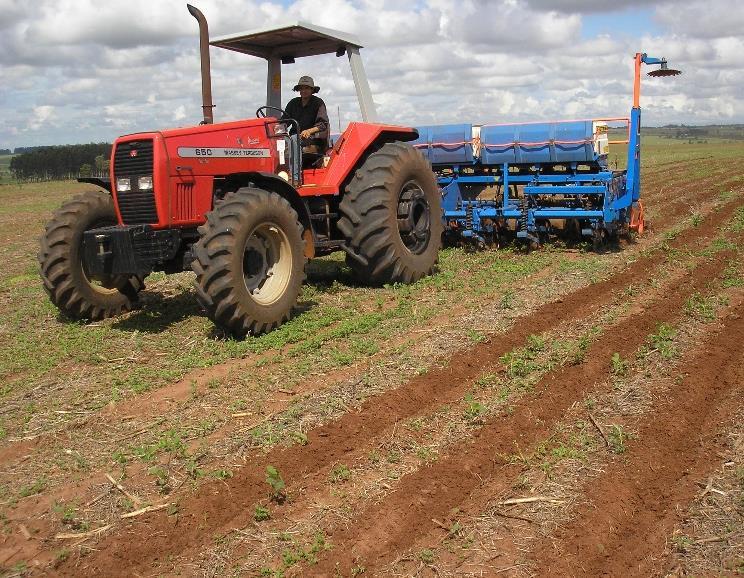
pixel 559 412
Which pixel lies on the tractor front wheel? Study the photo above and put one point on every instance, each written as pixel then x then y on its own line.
pixel 250 262
pixel 391 217
pixel 71 288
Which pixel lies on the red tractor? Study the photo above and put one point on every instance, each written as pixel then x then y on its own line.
pixel 232 202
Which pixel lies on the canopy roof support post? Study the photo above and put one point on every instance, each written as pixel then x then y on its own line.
pixel 364 94
pixel 274 82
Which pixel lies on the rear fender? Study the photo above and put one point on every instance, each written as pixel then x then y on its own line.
pixel 349 152
pixel 376 144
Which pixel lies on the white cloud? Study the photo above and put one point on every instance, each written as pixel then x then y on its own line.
pixel 508 24
pixel 41 116
pixel 588 6
pixel 709 19
pixel 80 85
pixel 179 114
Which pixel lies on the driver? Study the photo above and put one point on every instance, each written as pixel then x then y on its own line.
pixel 310 113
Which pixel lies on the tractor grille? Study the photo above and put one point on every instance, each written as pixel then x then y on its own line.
pixel 133 160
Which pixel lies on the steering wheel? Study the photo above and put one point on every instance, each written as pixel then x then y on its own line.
pixel 261 111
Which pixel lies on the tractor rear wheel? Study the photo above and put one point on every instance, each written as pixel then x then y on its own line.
pixel 391 217
pixel 250 262
pixel 71 288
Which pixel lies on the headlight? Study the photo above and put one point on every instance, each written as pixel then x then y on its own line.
pixel 283 175
pixel 144 183
pixel 123 184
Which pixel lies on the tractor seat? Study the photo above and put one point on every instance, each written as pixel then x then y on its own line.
pixel 312 155
pixel 312 160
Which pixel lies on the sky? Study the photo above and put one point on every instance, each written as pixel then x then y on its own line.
pixel 78 71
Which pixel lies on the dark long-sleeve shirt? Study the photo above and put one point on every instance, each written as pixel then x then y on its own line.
pixel 313 114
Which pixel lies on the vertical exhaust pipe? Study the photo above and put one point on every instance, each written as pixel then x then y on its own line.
pixel 206 74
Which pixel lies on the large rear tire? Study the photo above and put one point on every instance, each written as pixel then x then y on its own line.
pixel 250 262
pixel 391 217
pixel 76 293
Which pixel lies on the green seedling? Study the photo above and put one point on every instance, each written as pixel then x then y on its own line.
pixel 535 344
pixel 700 307
pixel 579 355
pixel 340 473
pixel 475 336
pixel 170 442
pixel 222 474
pixel 682 543
pixel 36 488
pixel 507 300
pixel 120 456
pixel 295 554
pixel 68 515
pixel 261 513
pixel 425 454
pixel 66 512
pixel 426 556
pixel 663 341
pixel 617 438
pixel 394 457
pixel 731 277
pixel 737 223
pixel 319 545
pixel 161 477
pixel 619 366
pixel 474 408
pixel 276 483
pixel 299 438
pixel 60 556
pixel 416 424
pixel 193 469
pixel 488 380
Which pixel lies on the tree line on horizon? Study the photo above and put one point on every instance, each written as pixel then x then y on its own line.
pixel 61 162
pixel 21 150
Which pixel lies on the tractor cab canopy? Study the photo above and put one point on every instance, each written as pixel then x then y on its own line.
pixel 283 44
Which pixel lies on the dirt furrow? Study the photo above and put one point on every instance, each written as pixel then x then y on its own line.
pixel 391 527
pixel 216 507
pixel 685 201
pixel 629 512
pixel 566 462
